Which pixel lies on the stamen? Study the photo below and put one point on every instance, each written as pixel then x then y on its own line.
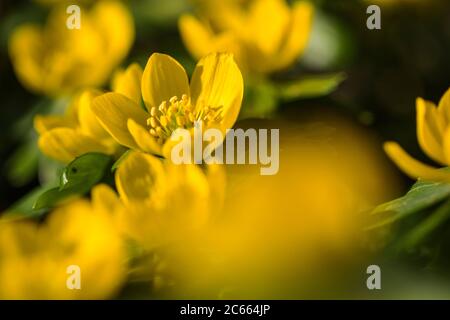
pixel 180 121
pixel 177 113
pixel 153 122
pixel 164 121
pixel 162 106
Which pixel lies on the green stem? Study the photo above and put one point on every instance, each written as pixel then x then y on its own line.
pixel 430 224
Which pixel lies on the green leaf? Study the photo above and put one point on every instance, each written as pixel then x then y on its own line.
pixel 422 195
pixel 261 100
pixel 77 179
pixel 54 196
pixel 84 171
pixel 426 227
pixel 311 86
pixel 23 208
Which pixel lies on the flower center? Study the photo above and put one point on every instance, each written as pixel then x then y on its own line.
pixel 179 113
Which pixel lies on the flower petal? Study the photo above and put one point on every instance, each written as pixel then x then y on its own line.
pixel 65 144
pixel 144 140
pixel 113 111
pixel 268 21
pixel 429 130
pixel 298 35
pixel 105 200
pixel 89 123
pixel 137 176
pixel 128 82
pixel 187 198
pixel 25 47
pixel 413 168
pixel 444 107
pixel 217 82
pixel 119 36
pixel 201 41
pixel 195 35
pixel 45 123
pixel 163 78
pixel 447 144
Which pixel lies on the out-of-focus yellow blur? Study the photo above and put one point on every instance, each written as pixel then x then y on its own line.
pixel 286 235
pixel 36 259
pixel 55 60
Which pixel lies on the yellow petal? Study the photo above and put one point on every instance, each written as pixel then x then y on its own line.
pixel 413 168
pixel 429 130
pixel 119 35
pixel 217 82
pixel 447 144
pixel 137 176
pixel 25 47
pixel 195 35
pixel 87 119
pixel 65 144
pixel 444 107
pixel 297 36
pixel 267 23
pixel 128 82
pixel 163 78
pixel 105 200
pixel 113 111
pixel 225 15
pixel 45 123
pixel 200 40
pixel 144 140
pixel 186 199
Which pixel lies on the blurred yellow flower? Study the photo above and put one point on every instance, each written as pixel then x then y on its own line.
pixel 433 135
pixel 214 97
pixel 160 203
pixel 65 137
pixel 264 35
pixel 34 258
pixel 284 236
pixel 163 208
pixel 54 60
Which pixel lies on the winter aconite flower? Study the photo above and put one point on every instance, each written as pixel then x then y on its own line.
pixel 78 239
pixel 65 137
pixel 433 135
pixel 55 60
pixel 213 97
pixel 264 35
pixel 159 202
pixel 163 209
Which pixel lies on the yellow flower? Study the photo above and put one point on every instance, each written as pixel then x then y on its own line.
pixel 214 97
pixel 159 203
pixel 264 35
pixel 163 208
pixel 433 135
pixel 65 137
pixel 34 258
pixel 55 60
pixel 275 232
